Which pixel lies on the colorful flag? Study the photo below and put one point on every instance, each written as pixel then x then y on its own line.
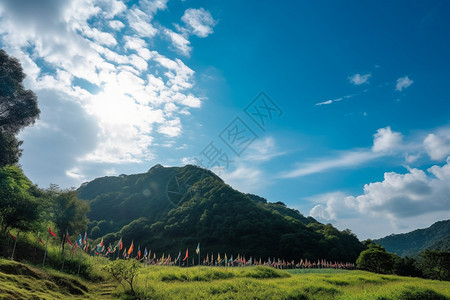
pixel 145 253
pixel 187 254
pixel 13 237
pixel 41 241
pixel 124 254
pixel 198 249
pixel 139 252
pixel 179 256
pixel 50 231
pixel 85 238
pixel 80 240
pixel 131 248
pixel 101 243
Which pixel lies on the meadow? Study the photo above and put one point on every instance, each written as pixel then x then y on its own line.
pixel 163 282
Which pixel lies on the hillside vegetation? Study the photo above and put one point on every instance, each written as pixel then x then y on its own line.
pixel 171 209
pixel 435 237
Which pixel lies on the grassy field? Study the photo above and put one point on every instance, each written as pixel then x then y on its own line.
pixel 21 281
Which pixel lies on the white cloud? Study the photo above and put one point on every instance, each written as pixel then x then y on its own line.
pixel 335 100
pixel 437 145
pixel 74 48
pixel 398 199
pixel 403 83
pixel 385 139
pixel 116 24
pixel 104 38
pixel 262 150
pixel 347 159
pixel 75 173
pixel 245 178
pixel 199 21
pixel 171 128
pixel 358 79
pixel 179 42
pixel 140 21
pixel 325 102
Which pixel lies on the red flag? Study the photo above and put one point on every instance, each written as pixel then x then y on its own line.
pixel 41 241
pixel 14 238
pixel 68 240
pixel 121 244
pixel 50 231
pixel 187 254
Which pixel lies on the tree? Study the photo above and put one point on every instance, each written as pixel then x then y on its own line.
pixel 122 270
pixel 69 213
pixel 376 260
pixel 18 108
pixel 435 264
pixel 19 207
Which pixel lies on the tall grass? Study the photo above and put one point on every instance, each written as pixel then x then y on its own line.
pixel 161 282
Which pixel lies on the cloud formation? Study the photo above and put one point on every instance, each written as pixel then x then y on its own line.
pixel 199 21
pixel 437 145
pixel 358 79
pixel 403 83
pixel 98 55
pixel 385 139
pixel 398 196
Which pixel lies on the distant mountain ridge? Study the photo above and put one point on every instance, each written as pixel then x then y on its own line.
pixel 435 237
pixel 170 208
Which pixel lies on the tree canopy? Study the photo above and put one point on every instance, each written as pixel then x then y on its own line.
pixel 19 207
pixel 18 108
pixel 69 213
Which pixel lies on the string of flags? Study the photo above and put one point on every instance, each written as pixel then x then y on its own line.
pixel 208 260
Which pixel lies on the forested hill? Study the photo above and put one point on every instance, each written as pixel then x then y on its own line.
pixel 435 237
pixel 170 209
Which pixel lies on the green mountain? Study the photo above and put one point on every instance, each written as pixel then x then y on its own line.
pixel 435 237
pixel 170 209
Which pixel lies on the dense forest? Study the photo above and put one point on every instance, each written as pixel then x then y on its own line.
pixel 435 237
pixel 170 209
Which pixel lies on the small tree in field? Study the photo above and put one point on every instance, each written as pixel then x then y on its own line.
pixel 376 260
pixel 122 270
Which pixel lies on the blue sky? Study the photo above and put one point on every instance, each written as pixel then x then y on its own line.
pixel 359 134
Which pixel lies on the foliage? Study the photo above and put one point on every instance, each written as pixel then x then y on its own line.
pixel 19 207
pixel 69 212
pixel 406 266
pixel 435 237
pixel 18 108
pixel 122 270
pixel 169 209
pixel 435 264
pixel 376 260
